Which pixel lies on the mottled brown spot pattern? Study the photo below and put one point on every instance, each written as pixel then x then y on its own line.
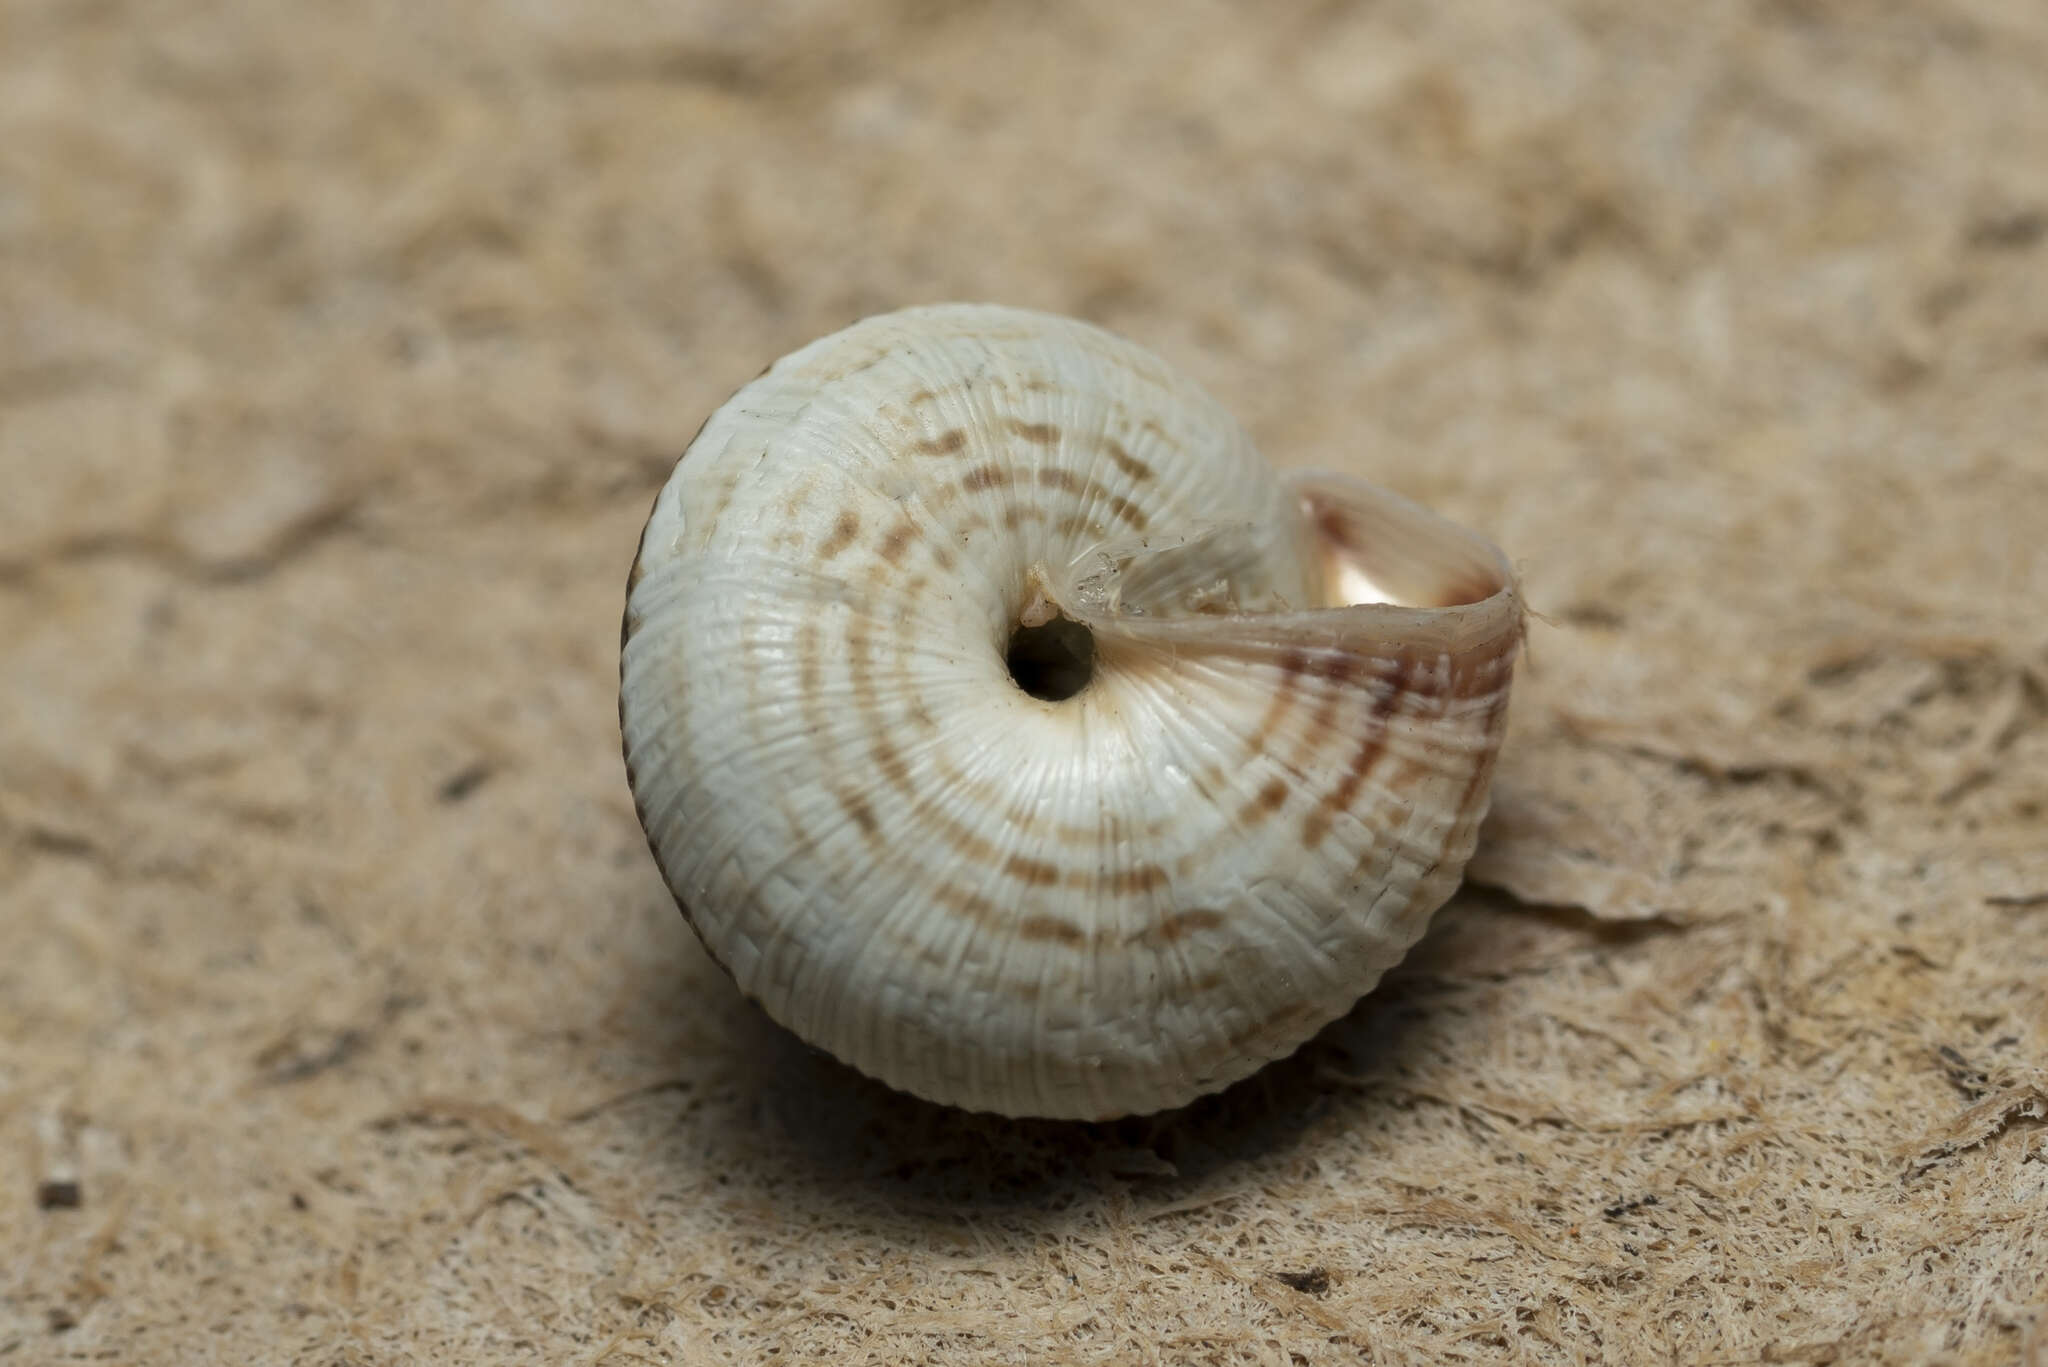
pixel 897 542
pixel 1037 433
pixel 993 475
pixel 1066 481
pixel 1364 756
pixel 1128 511
pixel 890 764
pixel 927 810
pixel 843 532
pixel 947 443
pixel 1181 924
pixel 1132 467
pixel 862 814
pixel 1495 723
pixel 1293 664
pixel 1137 878
pixel 972 905
pixel 1272 796
pixel 1339 666
pixel 1035 872
pixel 1043 927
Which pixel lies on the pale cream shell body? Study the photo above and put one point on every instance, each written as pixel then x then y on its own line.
pixel 1103 905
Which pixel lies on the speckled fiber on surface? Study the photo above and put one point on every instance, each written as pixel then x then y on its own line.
pixel 343 1017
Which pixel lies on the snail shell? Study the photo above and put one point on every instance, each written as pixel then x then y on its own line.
pixel 1156 870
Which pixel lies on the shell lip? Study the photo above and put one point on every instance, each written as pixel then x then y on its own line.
pixel 1445 589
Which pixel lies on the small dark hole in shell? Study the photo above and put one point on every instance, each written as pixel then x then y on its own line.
pixel 1053 661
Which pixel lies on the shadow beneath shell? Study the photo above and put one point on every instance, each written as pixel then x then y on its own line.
pixel 849 1131
pixel 928 1166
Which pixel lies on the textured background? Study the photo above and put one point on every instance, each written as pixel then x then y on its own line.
pixel 342 348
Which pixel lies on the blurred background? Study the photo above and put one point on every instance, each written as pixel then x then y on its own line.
pixel 343 1017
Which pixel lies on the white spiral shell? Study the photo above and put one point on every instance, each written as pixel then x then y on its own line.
pixel 1103 905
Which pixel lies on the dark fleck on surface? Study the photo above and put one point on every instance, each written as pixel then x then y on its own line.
pixel 59 1194
pixel 290 1060
pixel 2009 232
pixel 1314 1282
pixel 465 781
pixel 1621 1208
pixel 1963 1075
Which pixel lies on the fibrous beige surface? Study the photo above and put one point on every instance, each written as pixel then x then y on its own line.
pixel 343 1017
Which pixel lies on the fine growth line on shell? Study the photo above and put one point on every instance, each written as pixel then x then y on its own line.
pixel 1008 728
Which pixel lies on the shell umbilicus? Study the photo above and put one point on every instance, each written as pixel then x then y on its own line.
pixel 1009 729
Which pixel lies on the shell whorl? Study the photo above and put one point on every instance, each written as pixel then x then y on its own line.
pixel 1102 905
